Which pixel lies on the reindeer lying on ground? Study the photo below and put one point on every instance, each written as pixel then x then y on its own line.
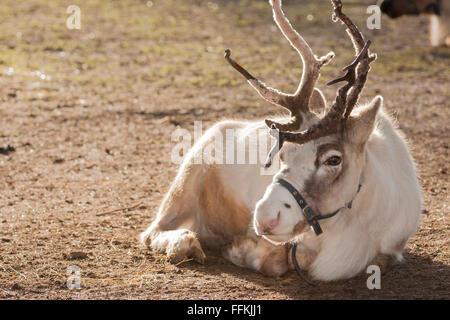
pixel 438 10
pixel 349 165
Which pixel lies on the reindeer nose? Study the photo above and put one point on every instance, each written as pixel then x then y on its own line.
pixel 271 224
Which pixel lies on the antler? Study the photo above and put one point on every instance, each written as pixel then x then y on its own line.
pixel 347 96
pixel 296 103
pixel 366 58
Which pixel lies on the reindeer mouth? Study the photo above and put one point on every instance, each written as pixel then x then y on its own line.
pixel 282 238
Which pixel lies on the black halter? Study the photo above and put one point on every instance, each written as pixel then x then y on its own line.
pixel 311 217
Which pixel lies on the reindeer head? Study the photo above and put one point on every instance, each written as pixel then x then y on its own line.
pixel 322 164
pixel 397 8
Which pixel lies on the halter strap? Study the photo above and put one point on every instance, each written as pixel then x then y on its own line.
pixel 297 266
pixel 311 217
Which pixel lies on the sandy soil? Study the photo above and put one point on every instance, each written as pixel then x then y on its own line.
pixel 90 115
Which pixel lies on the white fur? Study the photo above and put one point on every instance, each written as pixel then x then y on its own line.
pixel 385 213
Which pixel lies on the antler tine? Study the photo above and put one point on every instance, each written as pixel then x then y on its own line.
pixel 345 99
pixel 352 29
pixel 351 68
pixel 310 74
pixel 296 103
pixel 361 49
pixel 237 66
pixel 270 94
pixel 340 106
pixel 311 64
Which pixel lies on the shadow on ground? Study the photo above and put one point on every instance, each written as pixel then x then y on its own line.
pixel 417 277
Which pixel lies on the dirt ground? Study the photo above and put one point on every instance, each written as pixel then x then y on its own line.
pixel 90 114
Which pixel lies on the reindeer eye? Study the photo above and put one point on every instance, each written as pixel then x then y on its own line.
pixel 287 205
pixel 333 161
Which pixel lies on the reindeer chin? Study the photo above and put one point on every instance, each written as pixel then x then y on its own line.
pixel 300 227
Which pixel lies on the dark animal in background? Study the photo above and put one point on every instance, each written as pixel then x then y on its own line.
pixel 438 10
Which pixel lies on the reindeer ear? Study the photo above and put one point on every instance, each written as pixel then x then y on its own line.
pixel 317 102
pixel 360 125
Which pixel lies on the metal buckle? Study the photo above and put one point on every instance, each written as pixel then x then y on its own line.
pixel 311 217
pixel 308 212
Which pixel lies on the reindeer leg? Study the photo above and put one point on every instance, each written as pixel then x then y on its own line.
pixel 179 245
pixel 258 254
pixel 174 232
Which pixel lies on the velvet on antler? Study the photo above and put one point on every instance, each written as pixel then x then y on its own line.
pixel 297 103
pixel 347 95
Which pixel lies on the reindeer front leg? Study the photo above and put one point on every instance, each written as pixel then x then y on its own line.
pixel 269 259
pixel 178 245
pixel 258 254
pixel 174 231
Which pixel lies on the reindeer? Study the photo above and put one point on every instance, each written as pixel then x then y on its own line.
pixel 438 10
pixel 345 196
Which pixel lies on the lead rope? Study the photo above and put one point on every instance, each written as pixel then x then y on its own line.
pixel 297 266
